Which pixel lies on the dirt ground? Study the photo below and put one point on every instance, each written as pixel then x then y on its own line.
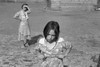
pixel 81 28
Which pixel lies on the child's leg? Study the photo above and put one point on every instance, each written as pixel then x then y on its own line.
pixel 19 36
pixel 29 37
pixel 23 40
pixel 26 38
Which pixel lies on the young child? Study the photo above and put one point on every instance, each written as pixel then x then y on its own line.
pixel 52 47
pixel 24 28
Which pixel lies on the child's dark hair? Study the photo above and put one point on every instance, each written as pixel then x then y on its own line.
pixel 52 25
pixel 23 5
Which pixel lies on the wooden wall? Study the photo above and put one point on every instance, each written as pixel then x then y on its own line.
pixel 73 4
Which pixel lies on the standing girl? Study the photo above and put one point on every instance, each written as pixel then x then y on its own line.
pixel 24 28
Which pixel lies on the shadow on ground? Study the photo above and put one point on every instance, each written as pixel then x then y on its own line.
pixel 34 39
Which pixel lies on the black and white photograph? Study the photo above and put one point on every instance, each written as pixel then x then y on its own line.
pixel 49 33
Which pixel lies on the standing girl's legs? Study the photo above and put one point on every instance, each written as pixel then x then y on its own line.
pixel 26 39
pixel 27 34
pixel 21 38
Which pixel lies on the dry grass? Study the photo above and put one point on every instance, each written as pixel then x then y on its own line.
pixel 12 55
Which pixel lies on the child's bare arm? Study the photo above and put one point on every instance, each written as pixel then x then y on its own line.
pixel 29 11
pixel 66 48
pixel 16 16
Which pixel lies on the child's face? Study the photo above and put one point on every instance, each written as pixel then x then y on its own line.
pixel 50 37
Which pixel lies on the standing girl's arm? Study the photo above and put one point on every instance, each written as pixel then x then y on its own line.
pixel 16 16
pixel 28 11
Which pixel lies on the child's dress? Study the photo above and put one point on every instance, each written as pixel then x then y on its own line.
pixel 24 28
pixel 51 61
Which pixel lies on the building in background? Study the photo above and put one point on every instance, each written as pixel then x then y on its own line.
pixel 74 4
pixel 65 4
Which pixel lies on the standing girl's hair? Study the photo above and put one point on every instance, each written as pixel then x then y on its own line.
pixel 24 7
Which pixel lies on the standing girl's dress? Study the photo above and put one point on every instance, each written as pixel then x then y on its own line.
pixel 24 28
pixel 52 53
